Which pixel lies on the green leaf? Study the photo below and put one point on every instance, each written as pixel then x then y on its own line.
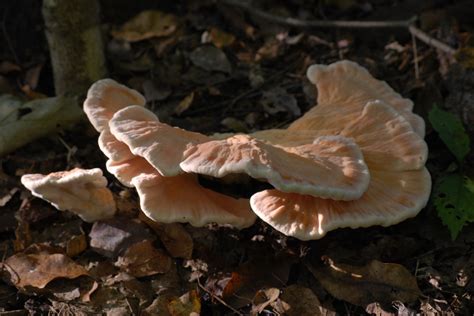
pixel 454 201
pixel 451 131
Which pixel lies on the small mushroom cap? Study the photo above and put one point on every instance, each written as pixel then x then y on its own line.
pixel 183 199
pixel 160 144
pixel 105 97
pixel 391 198
pixel 348 86
pixel 331 167
pixel 80 191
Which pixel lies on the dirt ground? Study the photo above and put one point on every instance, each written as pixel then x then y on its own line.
pixel 259 82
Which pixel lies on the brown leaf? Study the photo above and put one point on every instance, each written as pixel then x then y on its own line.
pixel 361 285
pixel 175 238
pixel 240 286
pixel 210 58
pixel 184 104
pixel 38 265
pixel 147 24
pixel 187 305
pixel 143 259
pixel 68 236
pixel 220 38
pixel 264 298
pixel 235 125
pixel 302 301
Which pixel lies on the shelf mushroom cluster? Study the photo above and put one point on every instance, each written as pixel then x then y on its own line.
pixel 354 160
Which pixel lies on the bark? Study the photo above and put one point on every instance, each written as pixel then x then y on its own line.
pixel 75 44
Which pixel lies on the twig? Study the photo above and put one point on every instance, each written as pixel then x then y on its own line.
pixel 415 57
pixel 425 38
pixel 408 24
pixel 316 23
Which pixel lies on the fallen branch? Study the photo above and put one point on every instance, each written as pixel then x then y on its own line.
pixel 408 24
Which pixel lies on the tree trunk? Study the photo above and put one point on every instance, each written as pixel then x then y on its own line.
pixel 75 44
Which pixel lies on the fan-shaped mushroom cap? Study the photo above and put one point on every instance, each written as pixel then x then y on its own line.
pixel 183 199
pixel 329 167
pixel 339 172
pixel 386 139
pixel 172 199
pixel 346 87
pixel 80 191
pixel 391 198
pixel 104 98
pixel 394 153
pixel 160 144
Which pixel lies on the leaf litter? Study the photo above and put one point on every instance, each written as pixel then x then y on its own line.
pixel 243 75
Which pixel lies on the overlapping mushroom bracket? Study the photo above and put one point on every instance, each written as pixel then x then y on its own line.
pixel 354 160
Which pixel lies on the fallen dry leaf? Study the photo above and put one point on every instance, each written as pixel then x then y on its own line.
pixel 264 298
pixel 38 265
pixel 147 24
pixel 279 100
pixel 68 236
pixel 235 125
pixel 220 38
pixel 240 286
pixel 184 104
pixel 210 58
pixel 301 300
pixel 187 305
pixel 361 285
pixel 175 238
pixel 143 259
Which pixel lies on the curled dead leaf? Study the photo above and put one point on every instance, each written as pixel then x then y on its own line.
pixel 143 259
pixel 38 265
pixel 147 24
pixel 361 285
pixel 184 104
pixel 188 304
pixel 220 38
pixel 175 238
pixel 210 58
pixel 301 301
pixel 264 298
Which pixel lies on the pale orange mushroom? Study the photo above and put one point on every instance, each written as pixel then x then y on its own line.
pixel 392 146
pixel 171 199
pixel 328 167
pixel 83 192
pixel 321 178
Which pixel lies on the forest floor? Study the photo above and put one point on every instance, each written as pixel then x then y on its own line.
pixel 257 82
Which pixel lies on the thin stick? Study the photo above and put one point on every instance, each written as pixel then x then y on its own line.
pixel 415 57
pixel 408 24
pixel 425 38
pixel 316 23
